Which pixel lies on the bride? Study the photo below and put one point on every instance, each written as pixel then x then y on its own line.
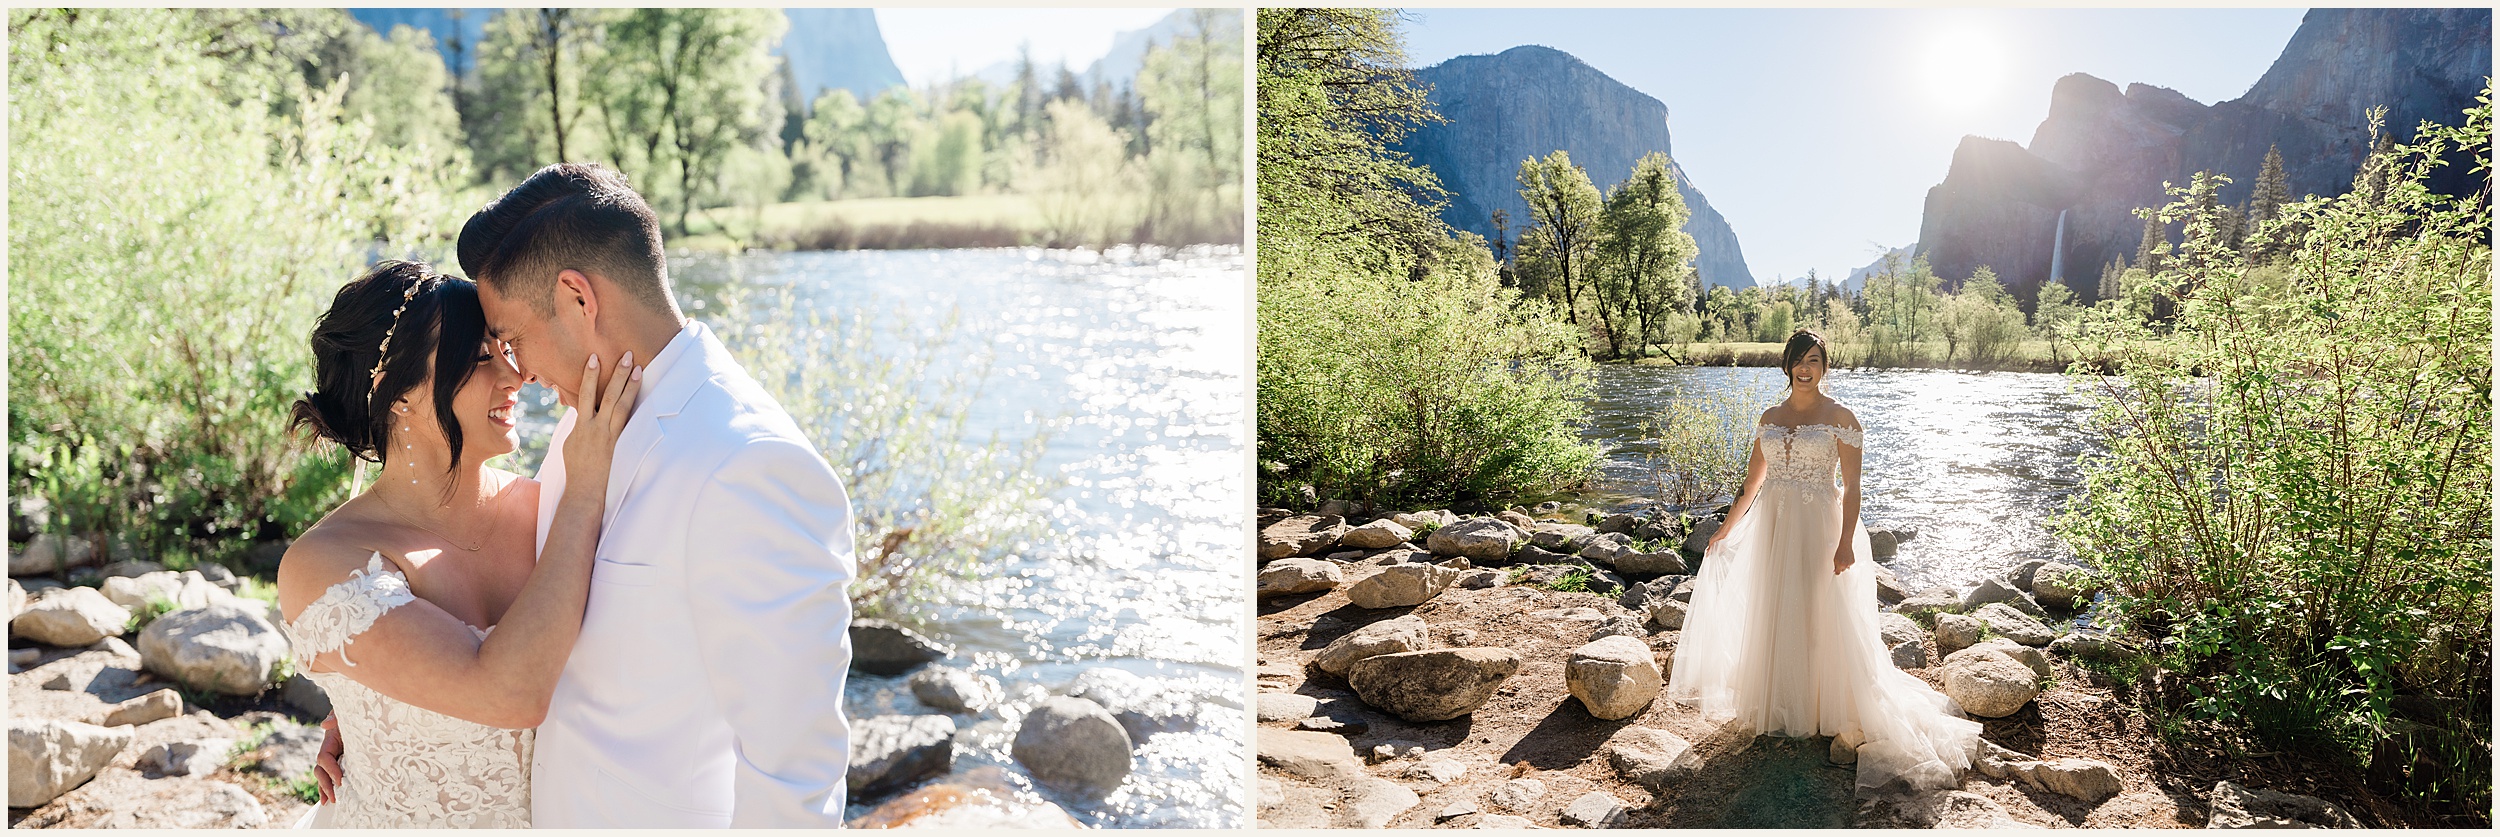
pixel 422 606
pixel 1782 633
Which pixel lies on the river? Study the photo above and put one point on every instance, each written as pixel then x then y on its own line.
pixel 1135 361
pixel 1976 463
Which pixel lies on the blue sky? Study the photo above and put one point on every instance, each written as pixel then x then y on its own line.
pixel 931 45
pixel 1817 132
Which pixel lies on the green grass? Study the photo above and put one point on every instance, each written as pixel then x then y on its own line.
pixel 869 224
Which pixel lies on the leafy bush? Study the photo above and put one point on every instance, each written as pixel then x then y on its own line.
pixel 1699 446
pixel 182 205
pixel 2296 495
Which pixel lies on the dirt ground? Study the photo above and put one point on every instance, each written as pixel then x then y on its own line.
pixel 1533 728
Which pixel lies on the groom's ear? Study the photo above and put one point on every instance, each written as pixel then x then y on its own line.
pixel 577 296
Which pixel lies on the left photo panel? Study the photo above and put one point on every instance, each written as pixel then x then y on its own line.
pixel 627 418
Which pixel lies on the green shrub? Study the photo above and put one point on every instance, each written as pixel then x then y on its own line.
pixel 1697 448
pixel 2295 501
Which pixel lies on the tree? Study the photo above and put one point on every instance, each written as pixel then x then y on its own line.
pixel 698 82
pixel 1562 209
pixel 1334 95
pixel 2266 200
pixel 1646 251
pixel 2053 317
pixel 2149 249
pixel 1190 94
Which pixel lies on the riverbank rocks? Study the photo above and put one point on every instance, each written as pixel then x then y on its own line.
pixel 185 590
pixel 1285 707
pixel 153 706
pixel 882 647
pixel 2063 586
pixel 1295 537
pixel 1924 606
pixel 192 759
pixel 1896 629
pixel 1479 539
pixel 1669 614
pixel 2032 658
pixel 47 757
pixel 1389 636
pixel 1479 579
pixel 1403 585
pixel 1614 678
pixel 1295 576
pixel 1316 756
pixel 1432 685
pixel 1662 562
pixel 1909 655
pixel 1074 745
pixel 1652 758
pixel 1421 520
pixel 955 690
pixel 2095 645
pixel 2235 806
pixel 892 752
pixel 224 647
pixel 980 800
pixel 1562 537
pixel 1884 542
pixel 1595 809
pixel 2089 780
pixel 1996 591
pixel 1888 589
pixel 1517 794
pixel 169 802
pixel 1378 534
pixel 1989 683
pixel 52 553
pixel 1955 632
pixel 1697 541
pixel 1638 597
pixel 1372 802
pixel 69 617
pixel 2013 624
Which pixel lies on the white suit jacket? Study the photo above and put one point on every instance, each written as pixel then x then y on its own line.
pixel 706 688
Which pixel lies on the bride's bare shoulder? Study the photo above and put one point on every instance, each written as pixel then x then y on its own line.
pixel 324 555
pixel 1837 414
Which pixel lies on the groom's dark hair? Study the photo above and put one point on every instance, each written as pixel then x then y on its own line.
pixel 580 216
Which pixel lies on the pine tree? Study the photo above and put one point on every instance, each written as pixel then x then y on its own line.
pixel 2148 252
pixel 2108 288
pixel 2265 203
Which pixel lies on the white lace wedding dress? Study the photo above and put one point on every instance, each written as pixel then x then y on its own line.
pixel 1776 641
pixel 405 766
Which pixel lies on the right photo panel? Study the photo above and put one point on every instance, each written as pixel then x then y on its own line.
pixel 1694 418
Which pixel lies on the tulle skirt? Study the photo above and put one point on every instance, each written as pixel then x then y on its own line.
pixel 1775 641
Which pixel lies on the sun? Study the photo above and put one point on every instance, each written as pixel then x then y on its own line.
pixel 1961 66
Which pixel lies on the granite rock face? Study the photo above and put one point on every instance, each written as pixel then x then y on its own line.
pixel 1432 685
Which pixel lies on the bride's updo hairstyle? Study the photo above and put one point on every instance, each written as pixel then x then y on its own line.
pixel 1794 353
pixel 391 318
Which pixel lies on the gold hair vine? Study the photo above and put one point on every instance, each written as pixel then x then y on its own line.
pixel 404 299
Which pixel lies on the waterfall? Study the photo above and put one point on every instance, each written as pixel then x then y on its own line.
pixel 2057 252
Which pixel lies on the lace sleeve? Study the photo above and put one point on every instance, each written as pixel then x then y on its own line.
pixel 1855 437
pixel 348 608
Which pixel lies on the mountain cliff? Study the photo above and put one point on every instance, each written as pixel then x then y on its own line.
pixel 1529 101
pixel 2103 152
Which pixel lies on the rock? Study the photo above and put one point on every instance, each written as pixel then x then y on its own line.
pixel 127 569
pixel 1989 684
pixel 184 590
pixel 153 706
pixel 1548 507
pixel 1372 802
pixel 2063 586
pixel 951 689
pixel 1378 534
pixel 20 658
pixel 1909 655
pixel 1517 795
pixel 1459 564
pixel 2089 780
pixel 1955 632
pixel 1884 542
pixel 1432 685
pixel 48 757
pixel 1595 809
pixel 51 553
pixel 2235 806
pixel 1143 708
pixel 1604 549
pixel 2020 575
pixel 1334 725
pixel 17 599
pixel 128 800
pixel 1480 579
pixel 1888 589
pixel 978 801
pixel 1623 523
pixel 1405 553
pixel 893 752
pixel 1959 810
pixel 1316 756
pixel 192 759
pixel 224 647
pixel 2032 658
pixel 70 617
pixel 217 574
pixel 1517 518
pixel 1308 534
pixel 289 752
pixel 1340 508
pixel 1439 771
pixel 2013 624
pixel 1896 629
pixel 1638 597
pixel 1664 562
pixel 1074 746
pixel 2095 645
pixel 1844 749
pixel 1285 707
pixel 1993 591
pixel 1652 758
pixel 1540 556
pixel 1622 625
pixel 1389 636
pixel 1505 822
pixel 1295 576
pixel 1479 539
pixel 1404 585
pixel 302 693
pixel 1458 809
pixel 1929 603
pixel 885 648
pixel 1417 521
pixel 1669 614
pixel 1614 678
pixel 1561 537
pixel 1697 541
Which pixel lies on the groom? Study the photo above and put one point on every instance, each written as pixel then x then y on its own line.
pixel 706 688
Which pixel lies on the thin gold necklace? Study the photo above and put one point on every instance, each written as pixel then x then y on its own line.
pixel 481 544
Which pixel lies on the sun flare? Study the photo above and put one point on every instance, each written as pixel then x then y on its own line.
pixel 1961 67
